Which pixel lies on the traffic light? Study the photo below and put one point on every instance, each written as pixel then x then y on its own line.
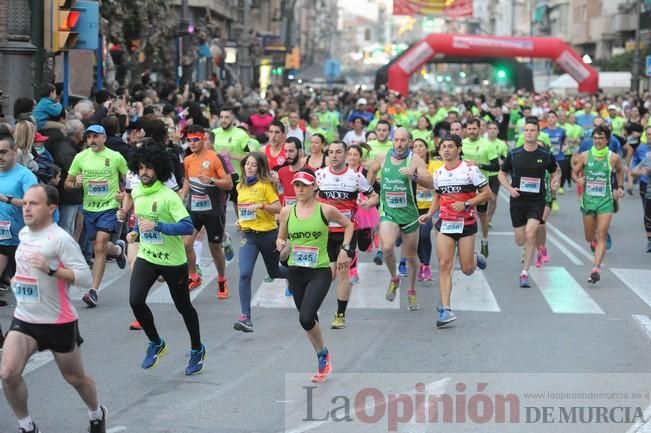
pixel 293 59
pixel 501 73
pixel 71 24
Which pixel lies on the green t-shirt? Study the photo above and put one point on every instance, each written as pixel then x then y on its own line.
pixel 618 123
pixel 481 151
pixel 254 144
pixel 378 148
pixel 500 146
pixel 402 119
pixel 329 122
pixel 158 203
pixel 233 141
pixel 101 172
pixel 572 132
pixel 413 116
pixel 541 136
pixel 423 134
pixel 513 121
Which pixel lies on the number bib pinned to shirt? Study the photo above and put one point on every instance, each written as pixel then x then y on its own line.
pixel 247 212
pixel 452 226
pixel 595 188
pixel 396 199
pixel 530 184
pixel 306 257
pixel 98 188
pixel 5 230
pixel 347 213
pixel 424 195
pixel 200 203
pixel 26 290
pixel 153 237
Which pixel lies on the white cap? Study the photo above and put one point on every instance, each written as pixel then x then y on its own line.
pixel 612 107
pixel 362 101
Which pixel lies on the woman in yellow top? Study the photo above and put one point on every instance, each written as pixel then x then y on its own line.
pixel 423 201
pixel 257 207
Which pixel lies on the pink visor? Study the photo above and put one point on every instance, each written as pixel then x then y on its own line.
pixel 304 178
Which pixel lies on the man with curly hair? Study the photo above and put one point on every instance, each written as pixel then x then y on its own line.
pixel 162 221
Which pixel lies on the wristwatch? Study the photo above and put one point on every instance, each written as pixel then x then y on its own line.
pixel 212 181
pixel 466 205
pixel 52 272
pixel 9 199
pixel 348 250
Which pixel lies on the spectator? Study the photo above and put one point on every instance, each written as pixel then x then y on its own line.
pixel 24 137
pixel 114 138
pixel 23 105
pixel 259 122
pixel 42 158
pixel 47 108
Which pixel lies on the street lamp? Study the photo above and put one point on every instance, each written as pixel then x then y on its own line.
pixel 587 59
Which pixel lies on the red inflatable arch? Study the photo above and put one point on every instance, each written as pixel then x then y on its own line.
pixel 490 46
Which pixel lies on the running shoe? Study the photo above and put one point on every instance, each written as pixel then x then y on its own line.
pixel 268 279
pixel 339 321
pixel 33 430
pixel 524 252
pixel 398 242
pixel 379 258
pixel 420 276
pixel 609 242
pixel 412 302
pixel 402 268
pixel 561 190
pixel 99 425
pixel 135 326
pixel 194 281
pixel 353 275
pixel 648 246
pixel 90 298
pixel 199 270
pixel 228 247
pixel 222 289
pixel 195 365
pixel 243 324
pixel 427 273
pixel 154 353
pixel 484 248
pixel 593 246
pixel 393 288
pixel 121 259
pixel 524 280
pixel 545 254
pixel 555 206
pixel 595 276
pixel 288 293
pixel 539 259
pixel 324 367
pixel 481 260
pixel 446 316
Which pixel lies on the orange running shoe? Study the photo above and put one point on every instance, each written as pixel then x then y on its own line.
pixel 222 289
pixel 135 326
pixel 194 281
pixel 324 369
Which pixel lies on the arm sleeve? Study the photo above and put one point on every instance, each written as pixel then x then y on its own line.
pixel 493 166
pixel 71 258
pixel 182 227
pixel 507 165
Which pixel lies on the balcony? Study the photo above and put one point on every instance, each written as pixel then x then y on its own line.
pixel 623 22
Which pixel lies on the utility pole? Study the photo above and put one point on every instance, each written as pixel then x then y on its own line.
pixel 635 75
pixel 244 48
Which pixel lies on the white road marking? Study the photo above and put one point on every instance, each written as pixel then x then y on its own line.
pixel 574 259
pixel 644 323
pixel 638 280
pixel 582 249
pixel 472 293
pixel 562 292
pixel 110 277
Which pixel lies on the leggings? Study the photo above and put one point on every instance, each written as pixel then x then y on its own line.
pixel 143 277
pixel 566 171
pixel 309 288
pixel 255 243
pixel 425 243
pixel 647 215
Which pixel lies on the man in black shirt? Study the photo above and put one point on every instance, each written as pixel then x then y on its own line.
pixel 527 166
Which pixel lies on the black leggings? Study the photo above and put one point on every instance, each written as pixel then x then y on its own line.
pixel 566 171
pixel 309 288
pixel 143 277
pixel 647 215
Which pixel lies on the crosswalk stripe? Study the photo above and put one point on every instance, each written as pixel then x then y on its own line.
pixel 272 295
pixel 637 280
pixel 472 293
pixel 111 274
pixel 562 292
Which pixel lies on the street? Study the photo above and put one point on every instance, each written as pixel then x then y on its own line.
pixel 560 325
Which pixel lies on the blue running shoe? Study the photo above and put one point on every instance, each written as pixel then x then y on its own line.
pixel 402 268
pixel 481 260
pixel 154 353
pixel 379 258
pixel 288 293
pixel 609 242
pixel 524 280
pixel 195 365
pixel 398 242
pixel 228 247
pixel 446 316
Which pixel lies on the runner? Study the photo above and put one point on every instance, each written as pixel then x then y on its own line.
pixel 339 186
pixel 424 198
pixel 306 225
pixel 479 152
pixel 502 149
pixel 399 214
pixel 455 194
pixel 285 174
pixel 45 318
pixel 557 139
pixel 527 166
pixel 162 221
pixel 207 182
pixel 274 150
pixel 381 145
pixel 643 169
pixel 99 170
pixel 257 210
pixel 316 158
pixel 593 170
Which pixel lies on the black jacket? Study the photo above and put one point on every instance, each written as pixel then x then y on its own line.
pixel 63 151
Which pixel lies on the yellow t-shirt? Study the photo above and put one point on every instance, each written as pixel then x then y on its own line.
pixel 258 219
pixel 424 196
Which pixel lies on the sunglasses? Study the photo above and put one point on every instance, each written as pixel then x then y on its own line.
pixel 194 139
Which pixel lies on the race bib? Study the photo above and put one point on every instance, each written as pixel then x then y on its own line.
pixel 153 237
pixel 595 188
pixel 26 290
pixel 200 203
pixel 347 213
pixel 306 257
pixel 98 188
pixel 247 213
pixel 530 184
pixel 290 201
pixel 452 226
pixel 5 230
pixel 396 199
pixel 424 195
